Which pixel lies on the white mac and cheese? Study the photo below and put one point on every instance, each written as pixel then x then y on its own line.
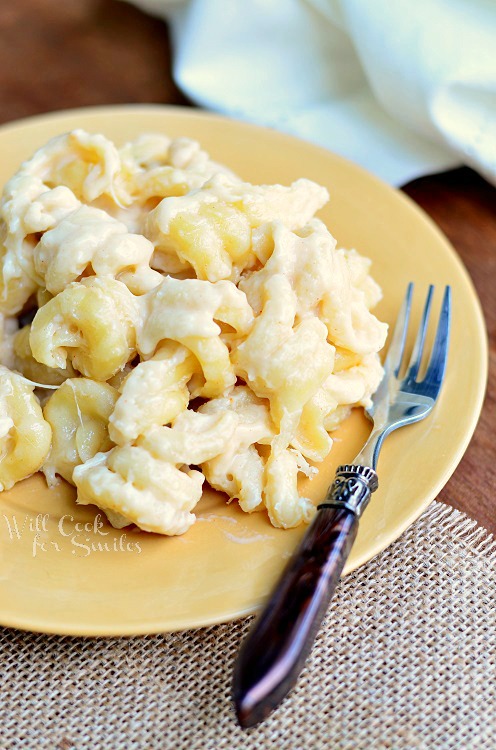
pixel 191 327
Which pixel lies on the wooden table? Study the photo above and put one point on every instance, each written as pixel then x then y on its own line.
pixel 56 55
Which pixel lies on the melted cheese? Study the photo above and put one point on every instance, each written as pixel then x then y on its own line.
pixel 196 326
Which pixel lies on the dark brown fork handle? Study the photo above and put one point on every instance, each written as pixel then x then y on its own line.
pixel 277 646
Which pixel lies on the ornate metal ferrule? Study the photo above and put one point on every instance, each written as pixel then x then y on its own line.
pixel 351 489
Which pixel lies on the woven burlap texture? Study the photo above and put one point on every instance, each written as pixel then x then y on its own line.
pixel 406 659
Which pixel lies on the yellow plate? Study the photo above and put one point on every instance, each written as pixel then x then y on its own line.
pixel 56 575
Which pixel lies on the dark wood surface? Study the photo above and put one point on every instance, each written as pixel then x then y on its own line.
pixel 56 55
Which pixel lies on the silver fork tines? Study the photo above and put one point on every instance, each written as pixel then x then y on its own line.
pixel 418 348
pixel 401 401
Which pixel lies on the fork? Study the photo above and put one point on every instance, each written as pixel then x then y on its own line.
pixel 274 652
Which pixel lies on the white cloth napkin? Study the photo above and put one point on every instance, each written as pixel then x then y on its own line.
pixel 403 88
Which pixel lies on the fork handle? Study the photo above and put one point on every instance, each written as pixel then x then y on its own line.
pixel 275 650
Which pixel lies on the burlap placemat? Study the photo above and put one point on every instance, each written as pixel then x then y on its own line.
pixel 406 659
